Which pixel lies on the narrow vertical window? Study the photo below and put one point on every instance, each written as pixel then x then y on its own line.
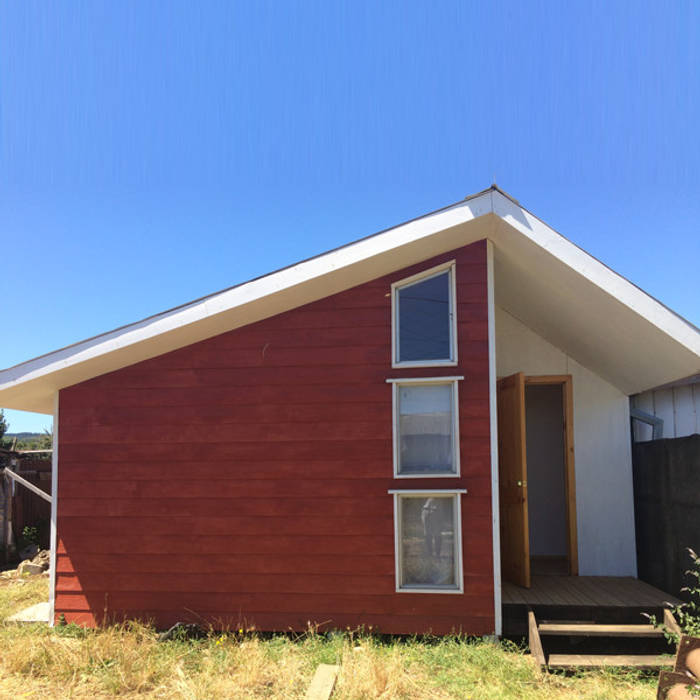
pixel 424 319
pixel 426 427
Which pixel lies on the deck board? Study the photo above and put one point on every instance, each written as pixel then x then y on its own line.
pixel 586 591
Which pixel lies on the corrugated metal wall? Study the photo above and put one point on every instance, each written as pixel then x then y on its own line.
pixel 678 407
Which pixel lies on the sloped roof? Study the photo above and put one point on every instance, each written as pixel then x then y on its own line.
pixel 571 299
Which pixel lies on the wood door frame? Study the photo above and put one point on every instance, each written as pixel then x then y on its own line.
pixel 565 381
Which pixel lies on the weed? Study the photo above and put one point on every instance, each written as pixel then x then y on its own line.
pixel 127 660
pixel 687 614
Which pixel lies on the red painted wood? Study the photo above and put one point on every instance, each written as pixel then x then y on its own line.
pixel 85 562
pixel 349 587
pixel 305 603
pixel 179 526
pixel 243 480
pixel 413 624
pixel 276 505
pixel 232 488
pixel 243 546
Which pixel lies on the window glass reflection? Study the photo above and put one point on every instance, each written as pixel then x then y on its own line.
pixel 424 320
pixel 427 542
pixel 425 429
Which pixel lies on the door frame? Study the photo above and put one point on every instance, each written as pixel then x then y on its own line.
pixel 565 381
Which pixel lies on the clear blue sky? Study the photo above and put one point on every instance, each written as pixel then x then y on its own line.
pixel 154 152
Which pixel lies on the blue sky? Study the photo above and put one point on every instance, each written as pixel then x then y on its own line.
pixel 151 153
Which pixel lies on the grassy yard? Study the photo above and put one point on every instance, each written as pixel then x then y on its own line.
pixel 129 662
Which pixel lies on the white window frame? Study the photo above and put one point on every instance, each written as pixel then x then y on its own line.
pixel 409 281
pixel 457 524
pixel 396 384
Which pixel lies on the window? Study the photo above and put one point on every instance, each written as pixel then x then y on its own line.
pixel 424 319
pixel 428 543
pixel 426 427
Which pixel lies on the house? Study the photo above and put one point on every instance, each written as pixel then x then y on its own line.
pixel 670 411
pixel 384 435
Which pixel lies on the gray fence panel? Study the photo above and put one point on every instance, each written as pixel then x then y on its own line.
pixel 667 509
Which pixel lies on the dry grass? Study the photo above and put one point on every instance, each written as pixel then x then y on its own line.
pixel 128 662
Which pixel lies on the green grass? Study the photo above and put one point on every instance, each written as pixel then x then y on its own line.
pixel 127 661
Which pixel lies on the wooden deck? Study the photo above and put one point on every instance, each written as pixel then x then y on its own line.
pixel 595 599
pixel 597 591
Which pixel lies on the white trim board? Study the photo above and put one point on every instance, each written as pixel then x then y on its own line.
pixel 534 257
pixel 54 513
pixel 493 425
pixel 423 380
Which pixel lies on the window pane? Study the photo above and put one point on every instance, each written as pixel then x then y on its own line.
pixel 425 429
pixel 424 320
pixel 427 542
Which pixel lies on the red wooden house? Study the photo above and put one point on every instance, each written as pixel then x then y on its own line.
pixel 322 444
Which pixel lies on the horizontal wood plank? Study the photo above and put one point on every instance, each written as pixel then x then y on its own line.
pixel 335 450
pixel 250 488
pixel 262 507
pixel 177 526
pixel 270 545
pixel 141 468
pixel 238 413
pixel 303 603
pixel 353 585
pixel 598 630
pixel 593 661
pixel 323 682
pixel 227 620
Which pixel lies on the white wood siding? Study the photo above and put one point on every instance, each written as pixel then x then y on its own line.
pixel 602 450
pixel 678 407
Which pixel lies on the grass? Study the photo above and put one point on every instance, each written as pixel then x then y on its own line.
pixel 127 661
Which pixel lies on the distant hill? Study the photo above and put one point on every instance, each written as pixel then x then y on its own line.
pixel 27 441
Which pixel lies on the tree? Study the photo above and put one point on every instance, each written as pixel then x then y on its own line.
pixel 3 427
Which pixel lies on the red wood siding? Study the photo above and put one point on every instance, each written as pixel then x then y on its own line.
pixel 243 480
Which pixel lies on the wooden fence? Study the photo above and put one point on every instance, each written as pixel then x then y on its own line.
pixel 667 509
pixel 27 509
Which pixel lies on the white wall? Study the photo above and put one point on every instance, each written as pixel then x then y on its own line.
pixel 678 407
pixel 603 460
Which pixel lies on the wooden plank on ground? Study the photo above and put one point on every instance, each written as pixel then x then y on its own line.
pixel 590 661
pixel 323 682
pixel 534 641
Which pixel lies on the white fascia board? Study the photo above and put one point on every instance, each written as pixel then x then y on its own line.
pixel 30 385
pixel 212 315
pixel 596 272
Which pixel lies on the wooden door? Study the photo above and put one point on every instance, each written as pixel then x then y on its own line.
pixel 512 476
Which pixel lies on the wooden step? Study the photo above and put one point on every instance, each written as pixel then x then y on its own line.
pixel 591 661
pixel 593 630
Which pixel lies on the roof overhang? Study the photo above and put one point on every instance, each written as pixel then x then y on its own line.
pixel 571 299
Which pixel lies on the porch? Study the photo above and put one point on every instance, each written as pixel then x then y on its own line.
pixel 578 622
pixel 593 599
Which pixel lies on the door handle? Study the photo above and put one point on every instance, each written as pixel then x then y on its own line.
pixel 522 483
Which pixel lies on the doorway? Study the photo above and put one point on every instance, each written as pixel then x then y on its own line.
pixel 536 477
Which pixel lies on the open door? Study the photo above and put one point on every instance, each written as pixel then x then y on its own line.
pixel 512 475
